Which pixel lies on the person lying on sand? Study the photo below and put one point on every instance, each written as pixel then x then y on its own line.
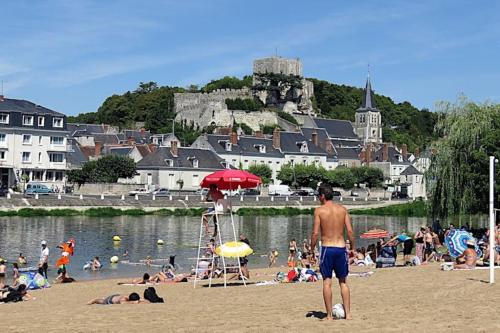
pixel 133 298
pixel 162 277
pixel 145 279
pixel 8 294
pixel 467 259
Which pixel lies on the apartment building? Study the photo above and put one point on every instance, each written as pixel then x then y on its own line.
pixel 33 143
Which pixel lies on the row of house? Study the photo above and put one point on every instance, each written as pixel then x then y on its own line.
pixel 37 144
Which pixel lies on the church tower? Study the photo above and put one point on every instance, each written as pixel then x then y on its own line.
pixel 368 123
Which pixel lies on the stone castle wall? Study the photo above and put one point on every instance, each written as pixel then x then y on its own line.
pixel 278 65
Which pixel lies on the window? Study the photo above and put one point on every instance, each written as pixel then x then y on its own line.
pixel 28 120
pixel 39 157
pixel 40 140
pixel 26 157
pixel 56 157
pixel 57 122
pixel 303 148
pixel 3 138
pixel 4 118
pixel 41 121
pixel 59 175
pixel 26 139
pixel 2 155
pixel 169 163
pixel 56 140
pixel 195 163
pixel 49 175
pixel 228 146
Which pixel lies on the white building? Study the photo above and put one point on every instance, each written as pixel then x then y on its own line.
pixel 33 143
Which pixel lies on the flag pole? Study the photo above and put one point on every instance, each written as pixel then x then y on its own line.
pixel 492 220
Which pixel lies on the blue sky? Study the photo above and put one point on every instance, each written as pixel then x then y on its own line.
pixel 71 55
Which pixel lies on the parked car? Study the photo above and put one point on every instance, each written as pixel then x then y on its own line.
pixel 250 191
pixel 399 195
pixel 202 191
pixel 280 190
pixel 36 188
pixel 337 194
pixel 354 193
pixel 3 191
pixel 305 191
pixel 139 191
pixel 162 192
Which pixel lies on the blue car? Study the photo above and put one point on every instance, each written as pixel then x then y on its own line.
pixel 35 188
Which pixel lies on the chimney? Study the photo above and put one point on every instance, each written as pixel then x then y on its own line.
pixel 259 134
pixel 234 138
pixel 314 138
pixel 152 147
pixel 276 138
pixel 385 153
pixel 97 149
pixel 328 147
pixel 173 148
pixel 417 152
pixel 2 98
pixel 368 154
pixel 404 151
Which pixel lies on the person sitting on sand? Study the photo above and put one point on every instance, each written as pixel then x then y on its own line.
pixel 96 264
pixel 407 245
pixel 133 298
pixel 145 279
pixel 468 259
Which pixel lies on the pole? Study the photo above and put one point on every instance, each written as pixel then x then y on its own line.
pixel 492 220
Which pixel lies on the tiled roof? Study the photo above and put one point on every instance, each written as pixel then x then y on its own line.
pixel 346 153
pixel 106 139
pixel 321 132
pixel 336 129
pixel 139 137
pixel 120 150
pixel 21 105
pixel 247 145
pixel 393 156
pixel 75 156
pixel 290 143
pixel 207 159
pixel 347 143
pixel 411 170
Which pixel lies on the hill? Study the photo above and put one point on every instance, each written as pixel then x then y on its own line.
pixel 154 105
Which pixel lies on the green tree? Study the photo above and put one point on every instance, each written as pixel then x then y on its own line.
pixel 341 177
pixel 373 177
pixel 297 175
pixel 458 175
pixel 228 82
pixel 288 117
pixel 263 171
pixel 107 169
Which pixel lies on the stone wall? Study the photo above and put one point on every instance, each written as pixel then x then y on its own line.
pixel 278 65
pixel 106 188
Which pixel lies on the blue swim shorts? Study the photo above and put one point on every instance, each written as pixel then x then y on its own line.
pixel 334 259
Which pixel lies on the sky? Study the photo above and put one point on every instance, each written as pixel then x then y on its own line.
pixel 71 55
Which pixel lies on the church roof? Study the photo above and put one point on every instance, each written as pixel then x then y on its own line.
pixel 368 103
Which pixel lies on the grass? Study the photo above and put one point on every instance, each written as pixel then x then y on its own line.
pixel 415 208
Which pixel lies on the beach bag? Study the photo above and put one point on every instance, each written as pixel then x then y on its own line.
pixel 150 295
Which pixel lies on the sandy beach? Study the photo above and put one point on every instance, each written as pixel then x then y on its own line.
pixel 393 299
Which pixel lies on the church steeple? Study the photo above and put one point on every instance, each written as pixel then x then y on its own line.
pixel 368 97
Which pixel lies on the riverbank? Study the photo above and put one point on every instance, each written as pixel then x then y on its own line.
pixel 105 211
pixel 384 302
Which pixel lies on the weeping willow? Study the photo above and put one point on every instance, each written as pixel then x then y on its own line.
pixel 458 175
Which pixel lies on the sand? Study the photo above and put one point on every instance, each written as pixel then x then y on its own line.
pixel 391 300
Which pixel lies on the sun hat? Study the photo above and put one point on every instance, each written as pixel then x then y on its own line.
pixel 471 242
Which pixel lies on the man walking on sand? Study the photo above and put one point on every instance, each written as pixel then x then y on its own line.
pixel 331 219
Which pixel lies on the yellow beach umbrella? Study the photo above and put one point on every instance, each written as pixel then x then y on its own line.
pixel 234 250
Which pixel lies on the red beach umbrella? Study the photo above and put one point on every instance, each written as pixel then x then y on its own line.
pixel 230 179
pixel 375 233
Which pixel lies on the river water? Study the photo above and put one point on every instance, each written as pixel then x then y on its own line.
pixel 180 235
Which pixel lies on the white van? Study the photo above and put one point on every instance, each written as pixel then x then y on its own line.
pixel 280 190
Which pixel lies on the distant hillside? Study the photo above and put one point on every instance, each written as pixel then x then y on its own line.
pixel 154 105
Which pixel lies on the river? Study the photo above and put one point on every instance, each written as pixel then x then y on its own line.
pixel 180 235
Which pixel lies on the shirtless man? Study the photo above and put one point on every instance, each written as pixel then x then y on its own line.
pixel 469 257
pixel 133 298
pixel 331 219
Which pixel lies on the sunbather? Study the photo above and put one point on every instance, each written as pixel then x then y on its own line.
pixel 145 279
pixel 133 298
pixel 8 294
pixel 468 259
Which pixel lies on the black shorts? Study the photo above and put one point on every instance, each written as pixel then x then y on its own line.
pixel 407 246
pixel 429 249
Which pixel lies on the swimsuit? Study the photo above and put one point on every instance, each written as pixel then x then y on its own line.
pixel 334 259
pixel 109 300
